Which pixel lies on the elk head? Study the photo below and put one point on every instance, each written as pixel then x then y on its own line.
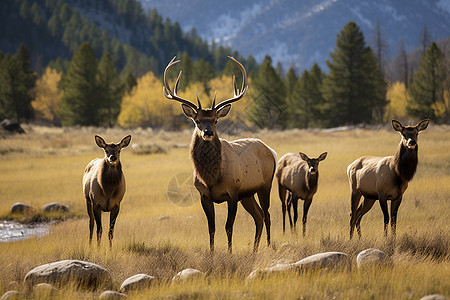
pixel 410 134
pixel 313 163
pixel 112 151
pixel 205 119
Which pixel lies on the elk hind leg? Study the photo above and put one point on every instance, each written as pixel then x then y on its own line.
pixel 91 218
pixel 112 222
pixel 282 193
pixel 257 213
pixel 366 206
pixel 355 198
pixel 264 201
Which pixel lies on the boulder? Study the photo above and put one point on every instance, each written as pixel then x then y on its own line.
pixel 187 274
pixel 372 257
pixel 112 295
pixel 136 282
pixel 55 207
pixel 326 260
pixel 11 295
pixel 81 273
pixel 20 208
pixel 278 268
pixel 434 297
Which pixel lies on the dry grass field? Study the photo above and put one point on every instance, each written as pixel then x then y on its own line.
pixel 156 236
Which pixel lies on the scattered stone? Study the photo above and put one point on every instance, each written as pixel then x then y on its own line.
pixel 136 282
pixel 371 257
pixel 112 295
pixel 20 208
pixel 55 207
pixel 278 268
pixel 187 274
pixel 44 289
pixel 163 218
pixel 11 295
pixel 84 274
pixel 326 260
pixel 434 297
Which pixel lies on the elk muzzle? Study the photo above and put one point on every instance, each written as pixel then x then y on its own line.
pixel 411 143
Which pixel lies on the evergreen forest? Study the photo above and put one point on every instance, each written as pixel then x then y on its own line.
pixel 100 63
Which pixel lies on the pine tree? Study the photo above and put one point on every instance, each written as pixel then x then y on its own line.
pixel 353 86
pixel 12 88
pixel 428 87
pixel 24 108
pixel 269 97
pixel 110 90
pixel 80 104
pixel 290 81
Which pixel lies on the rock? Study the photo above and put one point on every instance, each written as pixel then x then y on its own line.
pixel 55 207
pixel 278 268
pixel 10 295
pixel 187 274
pixel 372 257
pixel 20 208
pixel 112 295
pixel 434 297
pixel 136 282
pixel 82 273
pixel 44 289
pixel 326 260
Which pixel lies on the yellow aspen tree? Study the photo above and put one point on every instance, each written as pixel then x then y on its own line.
pixel 397 96
pixel 47 96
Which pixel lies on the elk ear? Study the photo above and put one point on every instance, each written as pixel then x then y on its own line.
pixel 304 156
pixel 397 125
pixel 125 141
pixel 223 111
pixel 188 111
pixel 100 141
pixel 323 156
pixel 423 125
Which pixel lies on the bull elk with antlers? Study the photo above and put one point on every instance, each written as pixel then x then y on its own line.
pixel 227 171
pixel 384 178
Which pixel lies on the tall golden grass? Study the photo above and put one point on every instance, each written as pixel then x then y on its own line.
pixel 157 237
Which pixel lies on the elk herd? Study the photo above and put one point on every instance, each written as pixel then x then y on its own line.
pixel 234 171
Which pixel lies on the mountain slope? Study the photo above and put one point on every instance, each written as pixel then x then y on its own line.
pixel 299 33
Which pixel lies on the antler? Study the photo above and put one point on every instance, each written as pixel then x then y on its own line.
pixel 173 95
pixel 237 95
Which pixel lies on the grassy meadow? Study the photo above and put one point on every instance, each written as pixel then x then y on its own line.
pixel 155 236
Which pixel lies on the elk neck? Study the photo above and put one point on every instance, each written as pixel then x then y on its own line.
pixel 111 176
pixel 207 157
pixel 311 180
pixel 406 161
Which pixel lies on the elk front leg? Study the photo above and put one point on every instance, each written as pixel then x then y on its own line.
pixel 257 213
pixel 289 204
pixel 384 209
pixel 295 209
pixel 98 220
pixel 112 222
pixel 394 209
pixel 208 208
pixel 232 210
pixel 306 206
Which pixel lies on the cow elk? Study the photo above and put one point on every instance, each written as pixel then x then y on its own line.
pixel 297 176
pixel 227 171
pixel 384 178
pixel 104 186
